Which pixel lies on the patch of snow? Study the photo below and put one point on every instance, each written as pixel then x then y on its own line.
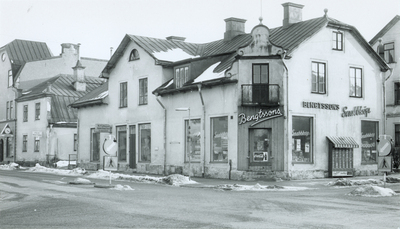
pixel 10 166
pixel 346 182
pixel 170 82
pixel 372 191
pixel 64 163
pixel 82 181
pixel 122 188
pixel 208 74
pixel 41 169
pixel 173 55
pixel 258 187
pixel 177 180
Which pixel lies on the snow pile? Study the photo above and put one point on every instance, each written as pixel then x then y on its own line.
pixel 64 163
pixel 41 169
pixel 10 166
pixel 392 179
pixel 209 74
pixel 173 55
pixel 257 187
pixel 122 188
pixel 81 181
pixel 177 180
pixel 372 191
pixel 345 182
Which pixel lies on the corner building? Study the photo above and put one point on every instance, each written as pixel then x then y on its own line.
pixel 302 101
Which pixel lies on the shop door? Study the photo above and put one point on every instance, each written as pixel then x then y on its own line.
pixel 1 150
pixel 260 146
pixel 132 147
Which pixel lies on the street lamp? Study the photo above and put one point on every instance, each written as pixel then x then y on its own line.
pixel 190 140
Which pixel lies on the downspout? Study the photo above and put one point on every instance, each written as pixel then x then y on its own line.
pixel 286 84
pixel 384 100
pixel 204 129
pixel 165 133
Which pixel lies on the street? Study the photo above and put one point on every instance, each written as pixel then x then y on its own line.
pixel 38 200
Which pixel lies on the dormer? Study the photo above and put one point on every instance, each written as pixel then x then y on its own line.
pixel 181 75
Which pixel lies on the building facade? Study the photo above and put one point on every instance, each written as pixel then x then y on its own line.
pixel 300 101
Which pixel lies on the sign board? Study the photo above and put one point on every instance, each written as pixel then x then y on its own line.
pixel 385 164
pixel 37 134
pixel 385 145
pixel 7 131
pixel 110 163
pixel 103 128
pixel 110 145
pixel 260 156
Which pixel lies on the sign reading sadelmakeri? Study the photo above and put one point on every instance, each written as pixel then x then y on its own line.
pixel 103 128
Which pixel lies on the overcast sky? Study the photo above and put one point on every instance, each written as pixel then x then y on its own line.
pixel 101 24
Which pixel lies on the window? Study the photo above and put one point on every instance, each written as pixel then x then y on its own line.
pixel 145 142
pixel 10 78
pixel 355 82
pixel 121 140
pixel 302 139
pixel 11 109
pixel 397 135
pixel 3 57
pixel 9 147
pixel 123 94
pixel 37 111
pixel 24 143
pixel 192 140
pixel 396 93
pixel 75 142
pixel 25 118
pixel 143 91
pixel 337 39
pixel 260 145
pixel 94 145
pixel 388 50
pixel 260 73
pixel 219 139
pixel 369 135
pixel 37 144
pixel 134 55
pixel 181 76
pixel 318 78
pixel 8 110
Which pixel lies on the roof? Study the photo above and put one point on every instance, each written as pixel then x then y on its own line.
pixel 21 51
pixel 95 97
pixel 343 142
pixel 384 30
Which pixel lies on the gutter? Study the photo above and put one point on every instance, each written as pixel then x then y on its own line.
pixel 204 129
pixel 164 133
pixel 286 78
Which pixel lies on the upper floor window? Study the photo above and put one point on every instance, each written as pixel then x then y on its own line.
pixel 10 78
pixel 143 91
pixel 134 55
pixel 355 82
pixel 396 93
pixel 337 39
pixel 25 118
pixel 181 76
pixel 123 94
pixel 8 110
pixel 37 111
pixel 260 73
pixel 388 50
pixel 318 81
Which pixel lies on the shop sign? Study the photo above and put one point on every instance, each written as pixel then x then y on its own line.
pixel 103 128
pixel 358 110
pixel 325 106
pixel 37 134
pixel 260 116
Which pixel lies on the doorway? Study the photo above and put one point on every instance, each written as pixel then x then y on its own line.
pixel 132 147
pixel 1 150
pixel 260 146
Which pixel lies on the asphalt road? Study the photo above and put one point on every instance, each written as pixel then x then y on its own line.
pixel 36 200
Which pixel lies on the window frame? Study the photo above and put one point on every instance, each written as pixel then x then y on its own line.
pixel 253 73
pixel 311 139
pixel 25 114
pixel 92 150
pixel 120 130
pixel 11 109
pixel 144 126
pixel 317 78
pixel 10 79
pixel 75 142
pixel 396 92
pixel 193 145
pixel 143 91
pixel 24 143
pixel 37 111
pixel 212 140
pixel 123 94
pixel 36 146
pixel 134 55
pixel 396 135
pixel 373 142
pixel 336 41
pixel 7 110
pixel 181 75
pixel 389 53
pixel 355 82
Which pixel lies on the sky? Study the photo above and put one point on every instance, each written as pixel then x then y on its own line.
pixel 99 25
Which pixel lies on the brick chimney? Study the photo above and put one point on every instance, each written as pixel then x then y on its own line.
pixel 234 27
pixel 70 49
pixel 79 77
pixel 292 13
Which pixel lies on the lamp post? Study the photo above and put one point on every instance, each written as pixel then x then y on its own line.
pixel 190 140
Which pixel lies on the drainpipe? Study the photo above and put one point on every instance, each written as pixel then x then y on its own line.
pixel 204 129
pixel 384 100
pixel 287 107
pixel 165 132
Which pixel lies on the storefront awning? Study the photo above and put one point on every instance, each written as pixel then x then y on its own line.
pixel 343 142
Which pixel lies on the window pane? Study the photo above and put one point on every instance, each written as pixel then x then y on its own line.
pixel 369 134
pixel 121 135
pixel 219 140
pixel 264 73
pixel 192 140
pixel 145 142
pixel 260 147
pixel 256 74
pixel 302 135
pixel 95 146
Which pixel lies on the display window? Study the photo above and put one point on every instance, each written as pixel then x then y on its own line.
pixel 219 139
pixel 260 145
pixel 95 145
pixel 192 140
pixel 121 134
pixel 302 137
pixel 369 135
pixel 145 142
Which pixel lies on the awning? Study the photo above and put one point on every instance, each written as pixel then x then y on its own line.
pixel 343 142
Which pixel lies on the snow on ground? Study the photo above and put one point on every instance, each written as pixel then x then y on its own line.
pixel 10 166
pixel 372 191
pixel 64 163
pixel 122 188
pixel 346 182
pixel 41 169
pixel 257 187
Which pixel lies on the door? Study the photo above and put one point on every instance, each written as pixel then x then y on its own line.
pixel 260 146
pixel 132 147
pixel 1 150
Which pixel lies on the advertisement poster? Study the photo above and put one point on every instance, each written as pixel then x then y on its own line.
pixel 260 156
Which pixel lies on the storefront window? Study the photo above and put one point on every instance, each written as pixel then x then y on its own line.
pixel 145 142
pixel 260 145
pixel 121 134
pixel 369 134
pixel 192 140
pixel 302 135
pixel 219 140
pixel 95 145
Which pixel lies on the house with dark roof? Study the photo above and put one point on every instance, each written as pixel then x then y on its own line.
pixel 387 44
pixel 299 101
pixel 47 126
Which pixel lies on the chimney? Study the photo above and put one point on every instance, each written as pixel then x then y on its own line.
pixel 234 27
pixel 79 76
pixel 70 49
pixel 292 13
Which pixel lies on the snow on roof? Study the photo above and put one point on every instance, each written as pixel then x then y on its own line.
pixel 173 55
pixel 208 74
